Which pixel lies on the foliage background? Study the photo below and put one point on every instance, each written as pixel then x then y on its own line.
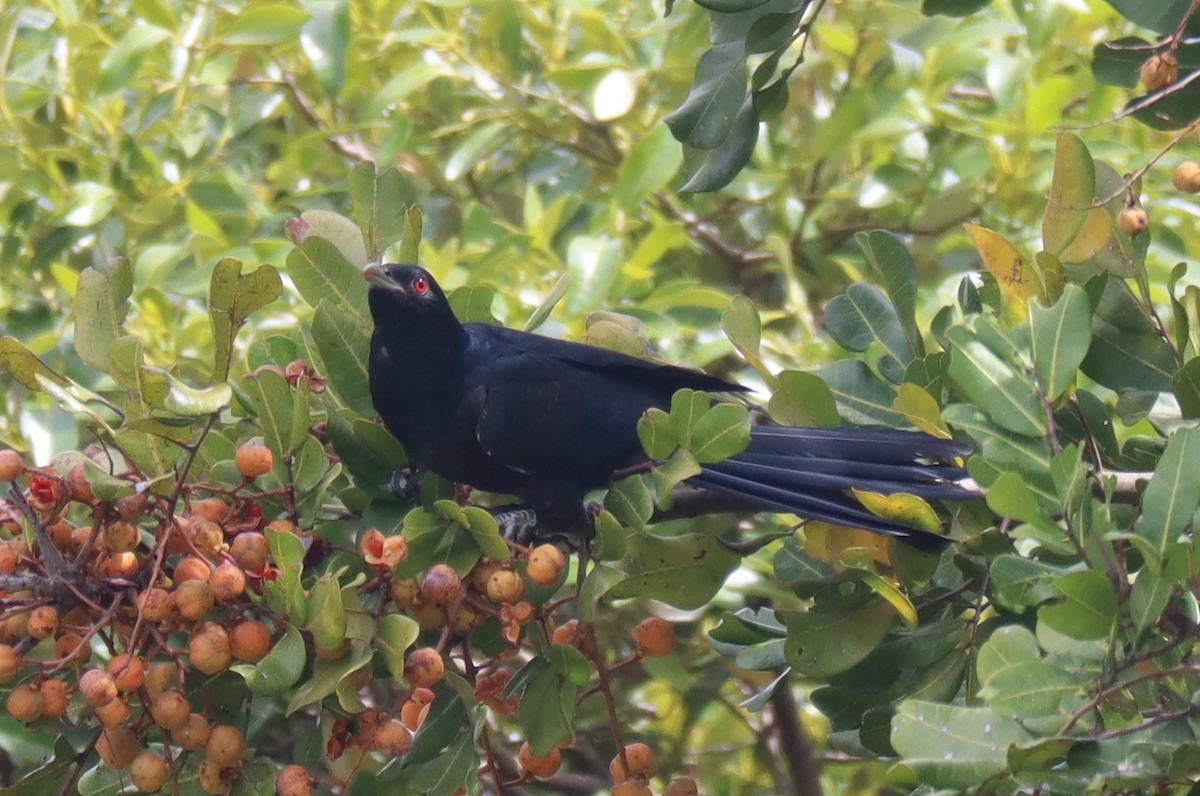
pixel 178 133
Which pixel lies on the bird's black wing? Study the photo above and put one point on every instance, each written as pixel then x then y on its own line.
pixel 562 410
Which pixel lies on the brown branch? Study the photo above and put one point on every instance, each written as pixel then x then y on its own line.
pixel 795 744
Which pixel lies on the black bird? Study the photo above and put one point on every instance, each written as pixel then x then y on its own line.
pixel 548 421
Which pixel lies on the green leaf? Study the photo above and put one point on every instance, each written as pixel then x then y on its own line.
pixel 1185 385
pixel 1031 689
pixel 101 304
pixel 379 202
pixel 647 168
pixel 706 118
pixel 449 771
pixel 1071 192
pixel 232 297
pixel 326 38
pixel 989 382
pixel 280 669
pixel 1160 17
pixel 630 502
pixel 482 527
pixel 25 367
pixel 327 676
pixel 657 433
pixel 322 273
pixel 861 396
pixel 863 316
pixel 265 25
pixel 1018 583
pixel 326 616
pixel 954 746
pixel 120 66
pixel 891 267
pixel 481 140
pixel 1060 339
pixel 273 404
pixel 1173 495
pixel 343 233
pixel 712 169
pixel 803 399
pixel 953 8
pixel 473 304
pixel 824 641
pixel 1127 351
pixel 721 432
pixel 396 634
pixel 1088 608
pixel 344 345
pixel 447 716
pixel 684 571
pixel 547 709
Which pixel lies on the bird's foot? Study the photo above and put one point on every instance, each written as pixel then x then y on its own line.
pixel 518 524
pixel 405 483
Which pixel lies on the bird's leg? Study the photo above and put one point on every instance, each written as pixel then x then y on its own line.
pixel 405 483
pixel 518 523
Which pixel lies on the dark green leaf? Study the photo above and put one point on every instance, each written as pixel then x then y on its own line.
pixel 684 571
pixel 953 8
pixel 379 201
pixel 981 374
pixel 344 345
pixel 821 642
pixel 280 669
pixel 1173 495
pixel 863 316
pixel 1061 336
pixel 892 268
pixel 322 273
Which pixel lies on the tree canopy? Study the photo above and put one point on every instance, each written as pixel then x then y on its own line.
pixel 968 217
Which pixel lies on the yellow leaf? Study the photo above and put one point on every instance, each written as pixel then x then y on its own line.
pixel 901 507
pixel 836 543
pixel 920 409
pixel 1004 261
pixel 1092 237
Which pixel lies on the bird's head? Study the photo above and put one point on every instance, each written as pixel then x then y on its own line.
pixel 404 294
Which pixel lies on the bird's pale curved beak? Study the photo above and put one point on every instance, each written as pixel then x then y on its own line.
pixel 375 274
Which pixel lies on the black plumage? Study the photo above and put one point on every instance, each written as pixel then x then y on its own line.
pixel 548 421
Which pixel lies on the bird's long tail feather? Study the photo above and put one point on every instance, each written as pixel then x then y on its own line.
pixel 810 472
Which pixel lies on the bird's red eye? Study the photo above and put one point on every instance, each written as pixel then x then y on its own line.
pixel 420 285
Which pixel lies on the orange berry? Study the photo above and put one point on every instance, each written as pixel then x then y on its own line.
pixel 171 710
pixel 631 787
pixel 12 466
pixel 194 599
pixel 160 676
pixel 250 641
pixel 404 592
pixel 1133 221
pixel 424 667
pixel 1186 177
pixel 225 746
pixel 149 772
pixel 393 738
pixel 194 734
pixel 25 703
pixel 654 636
pixel 213 509
pixel 121 537
pixel 9 662
pixel 640 758
pixel 212 778
pixel 441 585
pixel 128 671
pixel 155 604
pixel 546 564
pixel 250 550
pixel 228 581
pixel 117 746
pixel 192 568
pixel 43 622
pixel 540 766
pixel 505 586
pixel 293 781
pixel 682 786
pixel 79 485
pixel 209 649
pixel 253 459
pixel 98 687
pixel 114 714
pixel 56 695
